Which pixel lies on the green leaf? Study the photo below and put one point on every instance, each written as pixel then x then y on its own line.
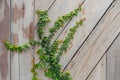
pixel 40 51
pixel 48 74
pixel 19 49
pixel 26 46
pixel 35 78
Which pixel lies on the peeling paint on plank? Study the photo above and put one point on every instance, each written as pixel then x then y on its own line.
pixel 18 13
pixel 28 31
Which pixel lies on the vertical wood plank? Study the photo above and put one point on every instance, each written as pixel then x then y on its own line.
pixel 99 72
pixel 4 35
pixel 21 31
pixel 113 61
pixel 26 34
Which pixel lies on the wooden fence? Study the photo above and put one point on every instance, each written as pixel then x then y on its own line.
pixel 94 54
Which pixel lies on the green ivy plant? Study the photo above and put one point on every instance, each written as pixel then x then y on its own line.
pixel 49 53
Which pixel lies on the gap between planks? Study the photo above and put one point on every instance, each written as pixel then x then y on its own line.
pixel 88 35
pixel 102 57
pixel 107 44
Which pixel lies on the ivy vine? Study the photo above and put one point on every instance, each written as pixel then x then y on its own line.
pixel 49 53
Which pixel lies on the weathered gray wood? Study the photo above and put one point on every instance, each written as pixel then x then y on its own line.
pixel 43 4
pixel 21 31
pixel 93 10
pixel 96 44
pixel 113 61
pixel 99 72
pixel 4 35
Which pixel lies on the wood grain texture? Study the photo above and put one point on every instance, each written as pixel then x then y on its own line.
pixel 21 31
pixel 43 4
pixel 96 44
pixel 93 10
pixel 4 35
pixel 99 72
pixel 113 61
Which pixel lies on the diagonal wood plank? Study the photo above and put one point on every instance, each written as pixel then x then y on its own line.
pixel 96 45
pixel 99 72
pixel 4 35
pixel 59 8
pixel 113 61
pixel 22 16
pixel 92 12
pixel 43 4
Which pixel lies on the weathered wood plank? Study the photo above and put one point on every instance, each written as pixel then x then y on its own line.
pixel 93 10
pixel 99 72
pixel 96 44
pixel 113 61
pixel 4 35
pixel 21 31
pixel 43 4
pixel 26 34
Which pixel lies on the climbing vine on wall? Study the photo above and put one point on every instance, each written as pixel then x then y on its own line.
pixel 49 53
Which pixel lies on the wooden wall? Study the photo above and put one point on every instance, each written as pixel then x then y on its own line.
pixel 92 55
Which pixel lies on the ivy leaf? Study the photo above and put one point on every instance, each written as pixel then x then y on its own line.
pixel 26 46
pixel 35 78
pixel 48 73
pixel 11 48
pixel 19 49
